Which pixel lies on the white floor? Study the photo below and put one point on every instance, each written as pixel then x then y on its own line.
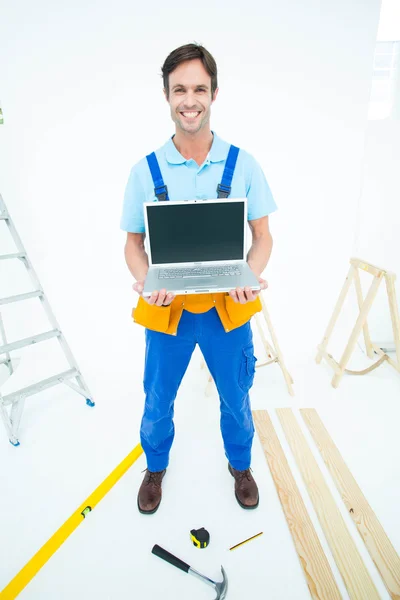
pixel 67 449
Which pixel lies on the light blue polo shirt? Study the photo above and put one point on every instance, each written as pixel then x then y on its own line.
pixel 187 181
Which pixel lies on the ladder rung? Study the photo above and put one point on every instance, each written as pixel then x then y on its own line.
pixel 19 297
pixel 3 217
pixel 38 387
pixel 16 255
pixel 41 337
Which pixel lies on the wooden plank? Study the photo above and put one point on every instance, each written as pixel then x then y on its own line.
pixel 381 353
pixel 372 269
pixel 377 542
pixel 317 570
pixel 355 575
pixel 330 360
pixel 360 300
pixel 394 312
pixel 268 348
pixel 286 374
pixel 335 315
pixel 362 317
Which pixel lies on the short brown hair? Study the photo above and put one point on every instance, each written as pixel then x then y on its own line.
pixel 190 52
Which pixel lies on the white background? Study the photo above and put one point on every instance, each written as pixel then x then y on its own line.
pixel 82 101
pixel 378 214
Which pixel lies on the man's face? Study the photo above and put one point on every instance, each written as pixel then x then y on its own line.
pixel 190 96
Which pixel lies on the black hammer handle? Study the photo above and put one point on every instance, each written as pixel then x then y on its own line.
pixel 173 560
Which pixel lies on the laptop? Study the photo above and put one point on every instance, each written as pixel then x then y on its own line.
pixel 197 246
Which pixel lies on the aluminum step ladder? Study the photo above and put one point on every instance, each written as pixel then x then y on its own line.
pixel 12 417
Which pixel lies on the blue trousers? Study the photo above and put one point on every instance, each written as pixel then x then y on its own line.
pixel 231 362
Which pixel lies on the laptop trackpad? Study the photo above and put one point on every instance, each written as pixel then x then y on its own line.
pixel 201 283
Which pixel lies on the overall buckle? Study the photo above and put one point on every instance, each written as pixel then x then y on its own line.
pixel 223 190
pixel 161 192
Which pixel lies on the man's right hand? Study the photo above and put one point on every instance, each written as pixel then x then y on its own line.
pixel 159 298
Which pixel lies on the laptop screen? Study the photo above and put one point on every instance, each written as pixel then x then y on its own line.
pixel 196 232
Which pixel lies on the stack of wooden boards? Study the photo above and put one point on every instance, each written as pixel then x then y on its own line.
pixel 317 570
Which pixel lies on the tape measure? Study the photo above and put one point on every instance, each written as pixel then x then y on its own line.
pixel 200 537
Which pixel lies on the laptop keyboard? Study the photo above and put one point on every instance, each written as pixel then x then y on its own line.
pixel 199 272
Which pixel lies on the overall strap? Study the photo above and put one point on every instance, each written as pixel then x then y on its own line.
pixel 160 189
pixel 224 188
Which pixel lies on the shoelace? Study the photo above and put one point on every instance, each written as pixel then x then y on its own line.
pixel 244 474
pixel 153 477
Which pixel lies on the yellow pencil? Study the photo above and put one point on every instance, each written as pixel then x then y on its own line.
pixel 245 541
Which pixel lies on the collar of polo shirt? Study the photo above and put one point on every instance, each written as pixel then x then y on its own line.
pixel 218 151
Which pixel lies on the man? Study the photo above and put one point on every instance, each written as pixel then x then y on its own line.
pixel 192 164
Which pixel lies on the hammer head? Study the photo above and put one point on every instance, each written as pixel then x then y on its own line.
pixel 222 587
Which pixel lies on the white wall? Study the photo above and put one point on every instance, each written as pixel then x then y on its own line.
pixel 377 239
pixel 82 101
pixel 389 21
pixel 378 214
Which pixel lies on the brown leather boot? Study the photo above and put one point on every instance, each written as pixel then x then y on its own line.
pixel 246 490
pixel 149 496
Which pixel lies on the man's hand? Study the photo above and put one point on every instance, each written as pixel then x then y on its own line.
pixel 159 298
pixel 242 296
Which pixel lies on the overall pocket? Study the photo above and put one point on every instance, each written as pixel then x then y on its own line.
pixel 247 368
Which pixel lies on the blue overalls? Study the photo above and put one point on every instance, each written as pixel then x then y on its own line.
pixel 229 357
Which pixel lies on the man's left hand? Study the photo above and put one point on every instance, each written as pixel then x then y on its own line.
pixel 244 295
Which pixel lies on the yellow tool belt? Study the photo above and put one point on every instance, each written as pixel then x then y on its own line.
pixel 165 319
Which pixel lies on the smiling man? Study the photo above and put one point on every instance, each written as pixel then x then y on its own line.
pixel 192 164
